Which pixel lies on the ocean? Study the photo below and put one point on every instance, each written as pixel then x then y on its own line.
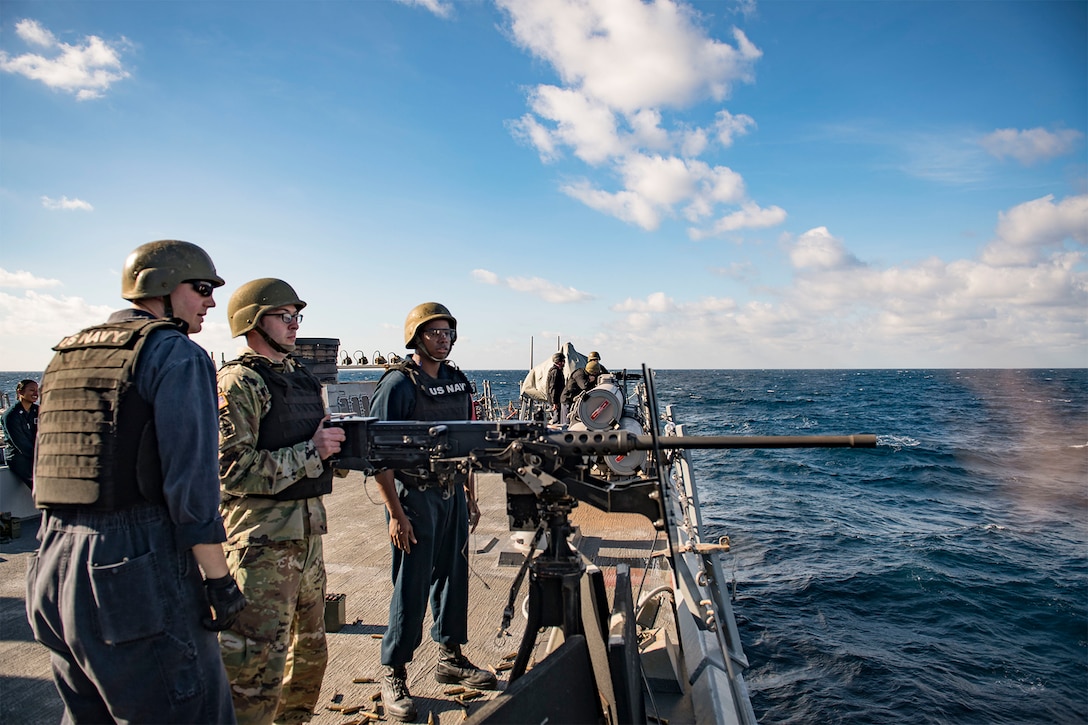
pixel 940 578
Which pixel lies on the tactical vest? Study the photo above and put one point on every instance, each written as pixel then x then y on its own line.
pixel 297 408
pixel 436 399
pixel 97 446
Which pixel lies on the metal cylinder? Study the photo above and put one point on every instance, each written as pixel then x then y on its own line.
pixel 601 406
pixel 626 464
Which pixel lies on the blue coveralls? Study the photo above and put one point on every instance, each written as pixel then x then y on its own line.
pixel 436 570
pixel 117 596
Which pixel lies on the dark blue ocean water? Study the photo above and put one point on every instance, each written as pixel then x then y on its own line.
pixel 940 578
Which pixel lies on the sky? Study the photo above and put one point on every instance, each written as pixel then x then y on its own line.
pixel 775 184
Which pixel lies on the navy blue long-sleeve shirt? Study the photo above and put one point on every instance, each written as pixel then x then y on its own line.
pixel 177 377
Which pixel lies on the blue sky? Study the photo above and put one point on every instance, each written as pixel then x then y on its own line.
pixel 690 185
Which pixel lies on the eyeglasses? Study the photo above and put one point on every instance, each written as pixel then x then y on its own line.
pixel 447 332
pixel 288 318
pixel 204 289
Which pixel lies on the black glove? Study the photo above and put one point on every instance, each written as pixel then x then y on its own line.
pixel 226 600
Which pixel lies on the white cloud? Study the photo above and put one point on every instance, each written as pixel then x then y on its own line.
pixel 542 288
pixel 817 249
pixel 655 185
pixel 40 321
pixel 25 280
pixel 1027 231
pixel 582 123
pixel 85 70
pixel 34 34
pixel 624 205
pixel 749 216
pixel 620 62
pixel 628 54
pixel 728 126
pixel 64 203
pixel 485 276
pixel 441 8
pixel 1022 302
pixel 1032 145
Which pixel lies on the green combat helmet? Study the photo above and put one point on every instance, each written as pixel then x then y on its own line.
pixel 421 315
pixel 255 298
pixel 155 269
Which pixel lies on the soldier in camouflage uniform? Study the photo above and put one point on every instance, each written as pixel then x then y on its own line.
pixel 273 453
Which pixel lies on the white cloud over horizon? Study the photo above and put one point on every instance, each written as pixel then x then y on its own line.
pixel 26 280
pixel 1029 277
pixel 45 318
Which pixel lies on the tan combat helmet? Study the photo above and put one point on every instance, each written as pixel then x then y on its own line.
pixel 255 298
pixel 155 269
pixel 421 315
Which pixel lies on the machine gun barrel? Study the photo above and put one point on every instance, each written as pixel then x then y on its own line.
pixel 612 442
pixel 866 440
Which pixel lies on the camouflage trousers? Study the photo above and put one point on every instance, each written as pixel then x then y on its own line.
pixel 275 653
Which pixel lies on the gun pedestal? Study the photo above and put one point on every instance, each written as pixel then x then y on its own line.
pixel 554 587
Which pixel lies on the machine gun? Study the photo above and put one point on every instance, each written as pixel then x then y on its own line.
pixel 551 464
pixel 547 472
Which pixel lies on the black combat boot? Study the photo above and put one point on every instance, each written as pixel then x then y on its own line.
pixel 395 696
pixel 454 668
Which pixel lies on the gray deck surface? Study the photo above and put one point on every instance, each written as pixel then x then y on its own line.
pixel 357 561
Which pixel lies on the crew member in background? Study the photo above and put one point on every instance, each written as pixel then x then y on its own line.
pixel 596 357
pixel 20 425
pixel 429 523
pixel 273 464
pixel 580 380
pixel 555 382
pixel 126 475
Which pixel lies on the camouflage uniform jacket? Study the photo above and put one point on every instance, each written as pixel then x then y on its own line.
pixel 244 400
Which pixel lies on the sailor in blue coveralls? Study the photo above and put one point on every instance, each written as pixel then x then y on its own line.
pixel 130 583
pixel 429 523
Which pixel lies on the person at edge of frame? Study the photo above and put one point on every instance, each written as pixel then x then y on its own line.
pixel 429 522
pixel 274 467
pixel 131 518
pixel 20 425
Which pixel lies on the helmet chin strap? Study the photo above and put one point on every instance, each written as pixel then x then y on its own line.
pixel 272 343
pixel 168 313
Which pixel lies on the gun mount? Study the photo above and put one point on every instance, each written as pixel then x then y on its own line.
pixel 547 472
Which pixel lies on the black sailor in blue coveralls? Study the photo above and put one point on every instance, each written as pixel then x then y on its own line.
pixel 436 569
pixel 429 520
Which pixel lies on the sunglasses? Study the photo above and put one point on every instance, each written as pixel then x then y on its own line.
pixel 204 289
pixel 448 333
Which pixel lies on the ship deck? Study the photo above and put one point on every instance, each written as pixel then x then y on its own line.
pixel 357 562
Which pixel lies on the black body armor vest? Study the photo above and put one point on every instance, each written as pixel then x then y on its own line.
pixel 96 436
pixel 436 399
pixel 297 408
